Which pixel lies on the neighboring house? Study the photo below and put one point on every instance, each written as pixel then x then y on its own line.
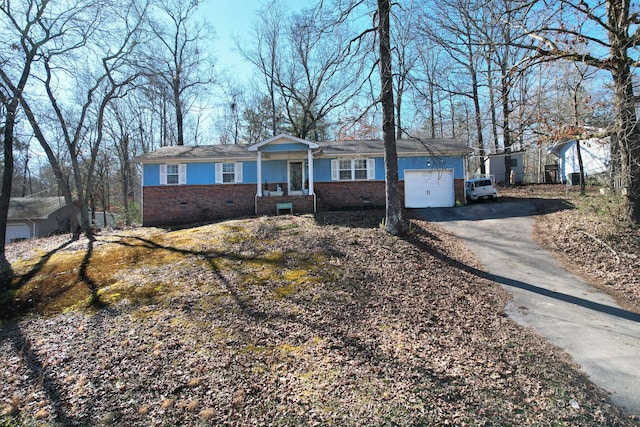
pixel 496 167
pixel 596 157
pixel 186 184
pixel 31 217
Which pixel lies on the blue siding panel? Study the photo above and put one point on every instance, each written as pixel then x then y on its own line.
pixel 322 170
pixel 249 172
pixel 151 175
pixel 380 168
pixel 276 170
pixel 201 173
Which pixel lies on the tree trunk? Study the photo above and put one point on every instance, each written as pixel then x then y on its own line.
pixel 179 114
pixel 492 101
pixel 628 139
pixel 478 118
pixel 626 126
pixel 432 103
pixel 506 129
pixel 5 197
pixel 580 168
pixel 393 219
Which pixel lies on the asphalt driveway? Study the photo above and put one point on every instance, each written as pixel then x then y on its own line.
pixel 587 323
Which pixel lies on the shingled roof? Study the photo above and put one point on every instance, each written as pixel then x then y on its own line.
pixel 34 207
pixel 198 152
pixel 404 147
pixel 430 147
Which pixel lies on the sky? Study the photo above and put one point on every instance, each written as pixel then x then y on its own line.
pixel 236 18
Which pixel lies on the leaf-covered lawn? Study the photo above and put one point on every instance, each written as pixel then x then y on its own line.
pixel 291 320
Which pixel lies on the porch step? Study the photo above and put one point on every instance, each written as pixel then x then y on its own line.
pixel 284 207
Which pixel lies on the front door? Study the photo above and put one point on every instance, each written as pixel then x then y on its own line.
pixel 296 177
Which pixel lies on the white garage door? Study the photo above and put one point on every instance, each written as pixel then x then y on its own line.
pixel 429 188
pixel 17 231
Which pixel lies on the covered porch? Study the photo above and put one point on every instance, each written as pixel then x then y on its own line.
pixel 284 175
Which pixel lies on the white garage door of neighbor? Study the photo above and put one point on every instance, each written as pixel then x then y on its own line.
pixel 429 188
pixel 17 231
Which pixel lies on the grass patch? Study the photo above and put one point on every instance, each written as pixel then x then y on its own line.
pixel 133 267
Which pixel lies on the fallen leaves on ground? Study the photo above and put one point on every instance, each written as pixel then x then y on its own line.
pixel 291 320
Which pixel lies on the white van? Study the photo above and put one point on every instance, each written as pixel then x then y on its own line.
pixel 480 189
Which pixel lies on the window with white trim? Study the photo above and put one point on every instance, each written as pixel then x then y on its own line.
pixel 173 174
pixel 228 173
pixel 360 169
pixel 345 170
pixel 353 169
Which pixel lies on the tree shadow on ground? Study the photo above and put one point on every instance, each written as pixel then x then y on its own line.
pixel 36 371
pixel 367 218
pixel 335 330
pixel 9 307
pixel 419 238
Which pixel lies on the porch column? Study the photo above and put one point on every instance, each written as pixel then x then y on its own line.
pixel 259 170
pixel 310 177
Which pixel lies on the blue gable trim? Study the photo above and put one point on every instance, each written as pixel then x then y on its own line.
pixel 273 148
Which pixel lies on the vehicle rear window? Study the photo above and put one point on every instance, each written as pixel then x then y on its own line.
pixel 483 183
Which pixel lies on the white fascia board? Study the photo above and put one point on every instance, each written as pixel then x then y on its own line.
pixel 158 160
pixel 289 138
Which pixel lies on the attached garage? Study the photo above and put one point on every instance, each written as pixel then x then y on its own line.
pixel 429 188
pixel 18 231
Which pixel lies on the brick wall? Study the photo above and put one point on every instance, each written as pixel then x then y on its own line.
pixel 301 204
pixel 184 204
pixel 458 186
pixel 350 194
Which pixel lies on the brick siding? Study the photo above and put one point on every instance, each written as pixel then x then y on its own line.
pixel 184 204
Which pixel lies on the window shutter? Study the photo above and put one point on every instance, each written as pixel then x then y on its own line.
pixel 371 168
pixel 182 174
pixel 163 174
pixel 238 172
pixel 335 173
pixel 218 173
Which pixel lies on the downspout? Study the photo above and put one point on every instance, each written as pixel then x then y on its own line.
pixel 310 178
pixel 259 181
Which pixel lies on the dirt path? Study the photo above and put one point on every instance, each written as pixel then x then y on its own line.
pixel 600 335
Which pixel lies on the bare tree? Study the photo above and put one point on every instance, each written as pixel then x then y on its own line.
pixel 180 62
pixel 393 220
pixel 431 90
pixel 602 35
pixel 264 53
pixel 27 27
pixel 406 58
pixel 107 37
pixel 453 27
pixel 309 66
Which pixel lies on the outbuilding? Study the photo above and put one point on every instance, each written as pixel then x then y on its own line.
pixel 595 153
pixel 31 217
